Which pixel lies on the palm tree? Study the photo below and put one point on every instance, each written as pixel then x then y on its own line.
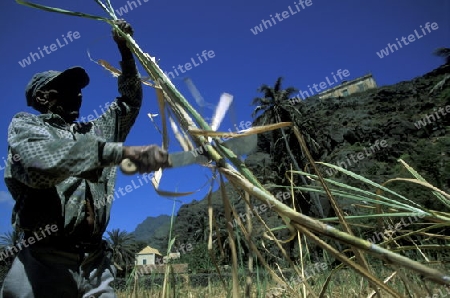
pixel 124 247
pixel 276 105
pixel 9 240
pixel 202 228
pixel 444 53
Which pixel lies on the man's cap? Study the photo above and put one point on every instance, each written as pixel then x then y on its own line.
pixel 75 75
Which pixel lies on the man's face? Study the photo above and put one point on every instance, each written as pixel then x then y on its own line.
pixel 65 100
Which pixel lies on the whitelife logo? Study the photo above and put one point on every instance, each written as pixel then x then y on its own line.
pixel 53 47
pixel 360 155
pixel 281 16
pixel 411 38
pixel 10 159
pixel 322 85
pixel 10 251
pixel 131 5
pixel 188 65
pixel 432 117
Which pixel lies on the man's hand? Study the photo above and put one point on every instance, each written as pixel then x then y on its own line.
pixel 147 158
pixel 125 27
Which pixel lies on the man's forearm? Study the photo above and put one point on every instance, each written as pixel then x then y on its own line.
pixel 129 83
pixel 128 63
pixel 130 89
pixel 125 52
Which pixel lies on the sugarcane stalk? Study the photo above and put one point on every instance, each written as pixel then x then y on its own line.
pixel 359 256
pixel 324 229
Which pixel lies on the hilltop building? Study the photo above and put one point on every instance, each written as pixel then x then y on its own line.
pixel 349 87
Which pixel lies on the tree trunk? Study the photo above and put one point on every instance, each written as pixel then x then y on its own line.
pixel 314 196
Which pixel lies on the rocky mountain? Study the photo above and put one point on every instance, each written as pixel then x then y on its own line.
pixel 411 119
pixel 366 133
pixel 154 231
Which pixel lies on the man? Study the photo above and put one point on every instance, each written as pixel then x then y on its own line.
pixel 62 177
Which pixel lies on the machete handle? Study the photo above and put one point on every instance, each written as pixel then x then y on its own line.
pixel 128 167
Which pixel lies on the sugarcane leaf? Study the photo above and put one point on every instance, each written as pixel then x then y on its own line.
pixel 63 11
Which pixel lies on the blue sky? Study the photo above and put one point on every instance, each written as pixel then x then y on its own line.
pixel 311 43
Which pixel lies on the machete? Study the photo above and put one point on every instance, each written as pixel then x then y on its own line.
pixel 240 146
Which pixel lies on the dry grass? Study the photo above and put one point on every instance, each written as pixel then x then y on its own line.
pixel 344 284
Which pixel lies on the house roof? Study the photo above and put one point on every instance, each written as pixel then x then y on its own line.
pixel 149 250
pixel 347 83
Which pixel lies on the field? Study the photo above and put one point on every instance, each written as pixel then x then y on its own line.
pixel 342 283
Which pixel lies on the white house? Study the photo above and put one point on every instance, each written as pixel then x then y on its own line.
pixel 147 256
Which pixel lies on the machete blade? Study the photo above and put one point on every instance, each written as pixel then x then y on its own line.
pixel 239 145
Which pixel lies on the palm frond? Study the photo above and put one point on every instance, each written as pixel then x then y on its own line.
pixel 278 83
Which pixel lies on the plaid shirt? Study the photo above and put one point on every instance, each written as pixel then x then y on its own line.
pixel 56 169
